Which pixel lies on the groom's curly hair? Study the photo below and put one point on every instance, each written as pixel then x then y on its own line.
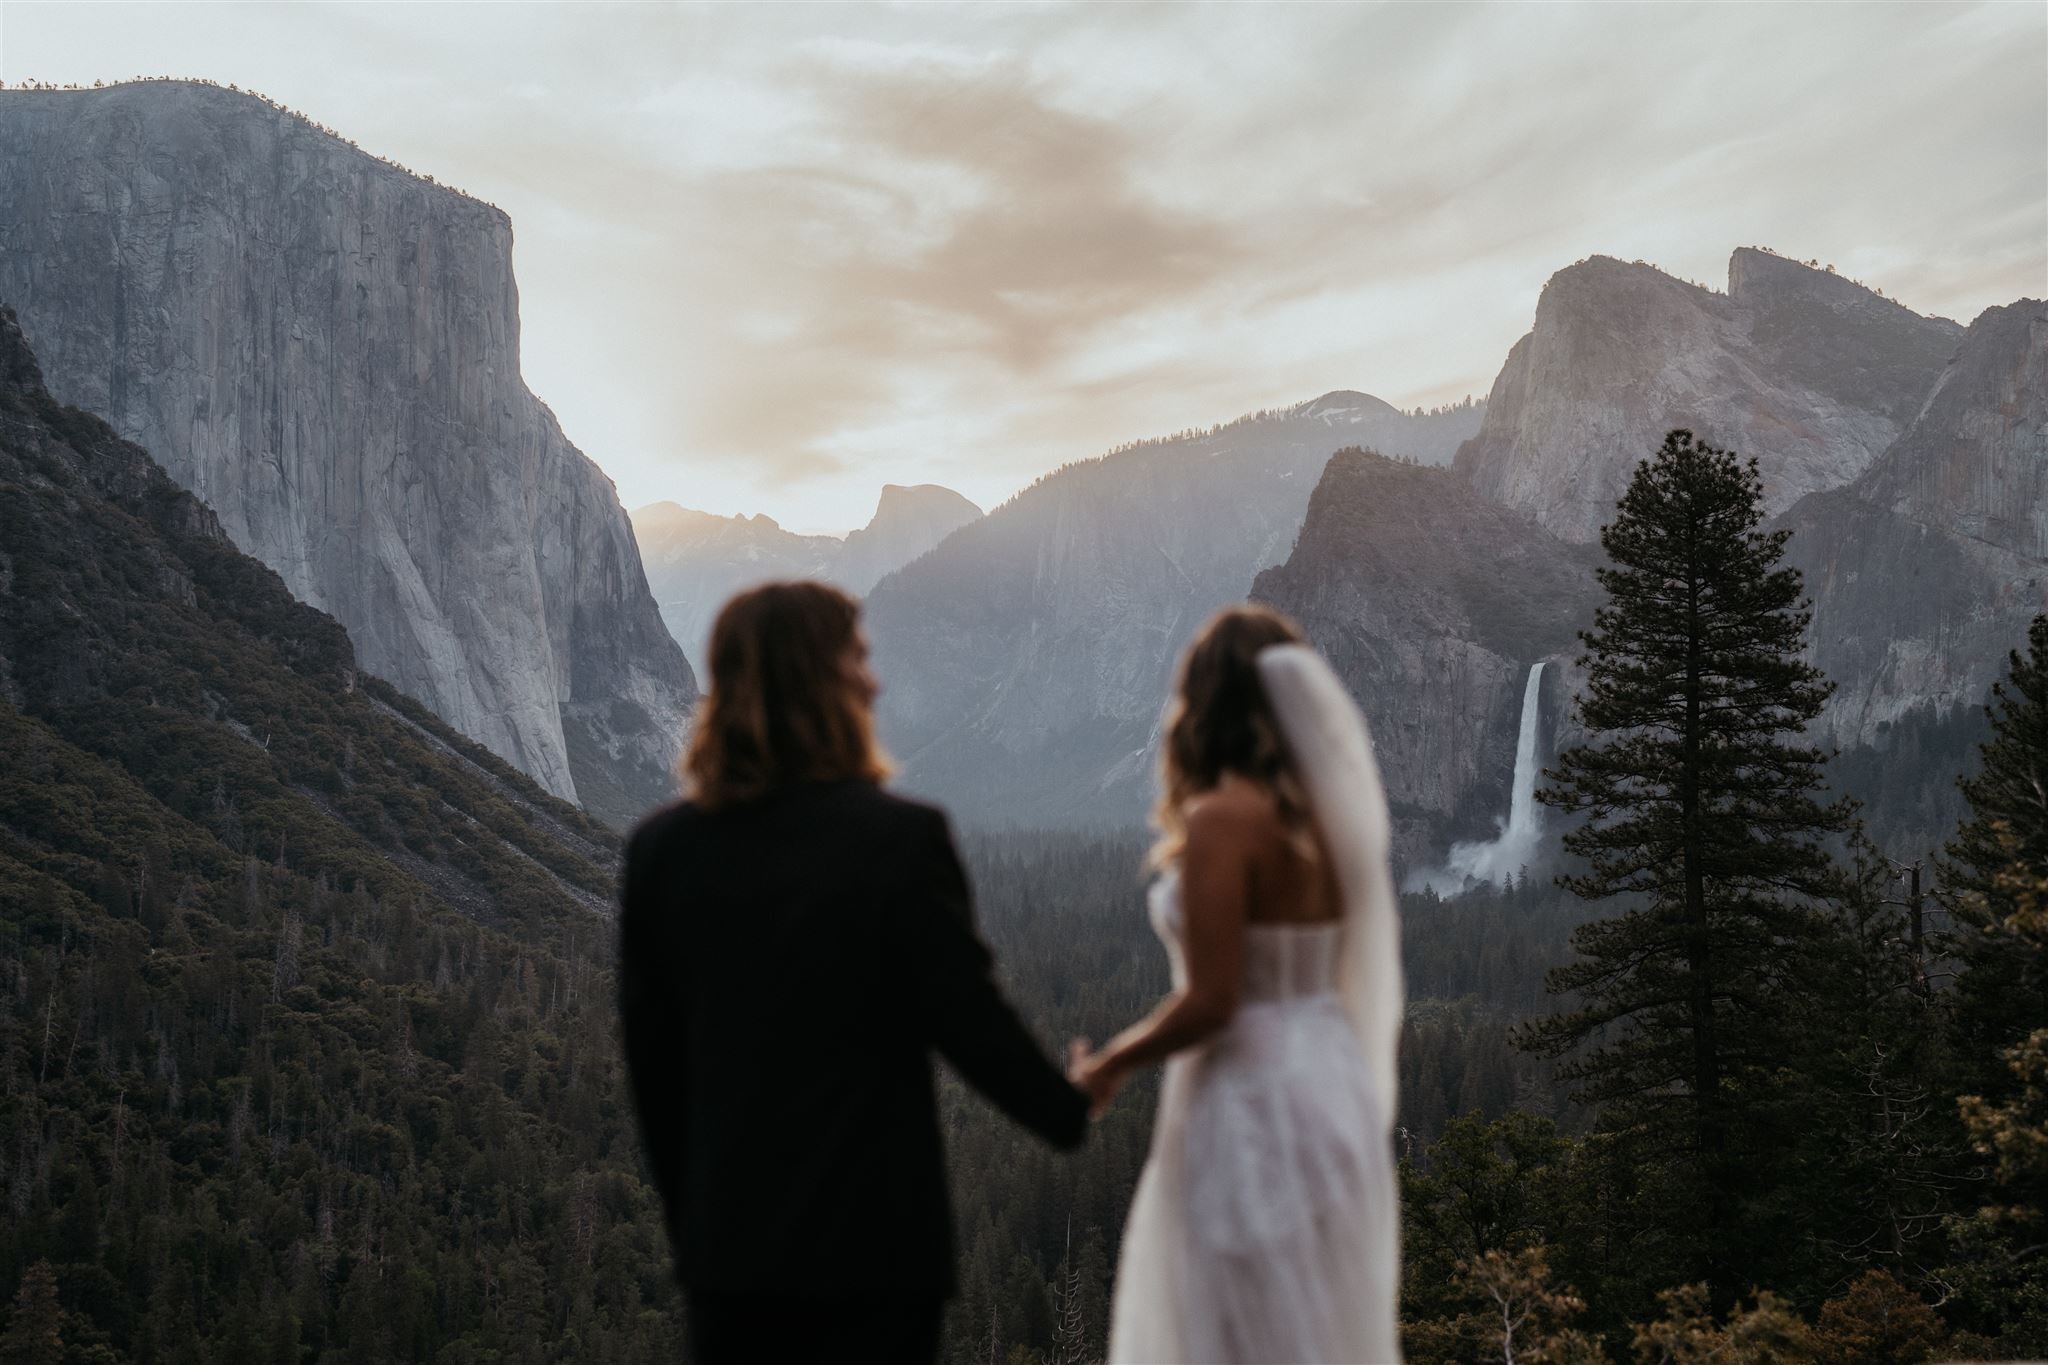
pixel 790 697
pixel 1220 721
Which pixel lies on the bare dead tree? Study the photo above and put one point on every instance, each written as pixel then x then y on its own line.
pixel 284 972
pixel 1069 1327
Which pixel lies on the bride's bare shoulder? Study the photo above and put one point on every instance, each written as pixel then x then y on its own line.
pixel 1237 810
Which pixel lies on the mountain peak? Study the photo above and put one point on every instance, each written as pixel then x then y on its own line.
pixel 1346 405
pixel 663 511
pixel 1760 277
pixel 920 499
pixel 197 105
pixel 908 522
pixel 1811 372
pixel 1599 281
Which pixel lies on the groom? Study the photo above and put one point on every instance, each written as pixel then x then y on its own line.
pixel 795 943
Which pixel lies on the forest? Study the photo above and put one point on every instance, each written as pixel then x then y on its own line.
pixel 308 1045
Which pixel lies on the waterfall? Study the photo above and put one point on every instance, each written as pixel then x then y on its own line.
pixel 1495 860
pixel 1521 831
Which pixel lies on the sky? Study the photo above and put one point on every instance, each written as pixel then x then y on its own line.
pixel 772 257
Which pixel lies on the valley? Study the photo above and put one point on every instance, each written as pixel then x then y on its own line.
pixel 332 670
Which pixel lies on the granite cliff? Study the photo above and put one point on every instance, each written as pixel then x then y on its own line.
pixel 908 522
pixel 1926 569
pixel 1026 659
pixel 1808 371
pixel 325 349
pixel 168 708
pixel 1432 604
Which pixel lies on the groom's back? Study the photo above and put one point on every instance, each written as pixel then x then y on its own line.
pixel 799 1148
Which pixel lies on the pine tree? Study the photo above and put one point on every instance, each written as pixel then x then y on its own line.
pixel 1703 813
pixel 2008 796
pixel 35 1327
pixel 1878 1129
pixel 2002 990
pixel 2000 1267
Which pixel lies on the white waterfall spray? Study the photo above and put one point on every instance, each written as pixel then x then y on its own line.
pixel 1497 859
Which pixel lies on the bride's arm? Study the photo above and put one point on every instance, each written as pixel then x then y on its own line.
pixel 1224 833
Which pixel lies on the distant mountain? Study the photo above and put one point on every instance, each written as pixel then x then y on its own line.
pixel 1808 371
pixel 696 560
pixel 1025 660
pixel 1926 569
pixel 907 523
pixel 325 349
pixel 1432 604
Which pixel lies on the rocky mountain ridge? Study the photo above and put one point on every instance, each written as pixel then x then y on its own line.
pixel 1432 604
pixel 1027 657
pixel 1926 569
pixel 325 349
pixel 696 560
pixel 1813 373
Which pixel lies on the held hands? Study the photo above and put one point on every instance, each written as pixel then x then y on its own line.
pixel 1098 1075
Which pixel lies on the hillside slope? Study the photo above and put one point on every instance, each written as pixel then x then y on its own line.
pixel 306 1026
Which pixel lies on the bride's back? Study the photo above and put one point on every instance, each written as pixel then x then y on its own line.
pixel 1291 882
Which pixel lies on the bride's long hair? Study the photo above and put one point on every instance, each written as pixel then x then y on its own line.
pixel 1220 722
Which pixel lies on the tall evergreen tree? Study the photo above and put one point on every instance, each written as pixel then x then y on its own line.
pixel 35 1328
pixel 2008 795
pixel 2000 1269
pixel 2002 990
pixel 1703 815
pixel 1880 1142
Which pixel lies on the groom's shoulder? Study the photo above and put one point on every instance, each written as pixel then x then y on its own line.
pixel 863 803
pixel 661 827
pixel 886 809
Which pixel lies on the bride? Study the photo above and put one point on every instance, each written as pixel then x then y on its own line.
pixel 1266 1225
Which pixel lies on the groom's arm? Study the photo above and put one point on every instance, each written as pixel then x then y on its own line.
pixel 962 1012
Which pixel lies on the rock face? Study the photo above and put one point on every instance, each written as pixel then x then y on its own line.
pixel 157 684
pixel 696 560
pixel 325 349
pixel 1432 604
pixel 1026 659
pixel 1811 373
pixel 907 523
pixel 1926 570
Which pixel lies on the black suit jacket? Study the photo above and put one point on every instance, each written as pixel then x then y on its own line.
pixel 787 967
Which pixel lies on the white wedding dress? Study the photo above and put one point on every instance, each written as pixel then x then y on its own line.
pixel 1266 1225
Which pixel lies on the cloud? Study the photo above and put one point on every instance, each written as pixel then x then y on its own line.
pixel 771 257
